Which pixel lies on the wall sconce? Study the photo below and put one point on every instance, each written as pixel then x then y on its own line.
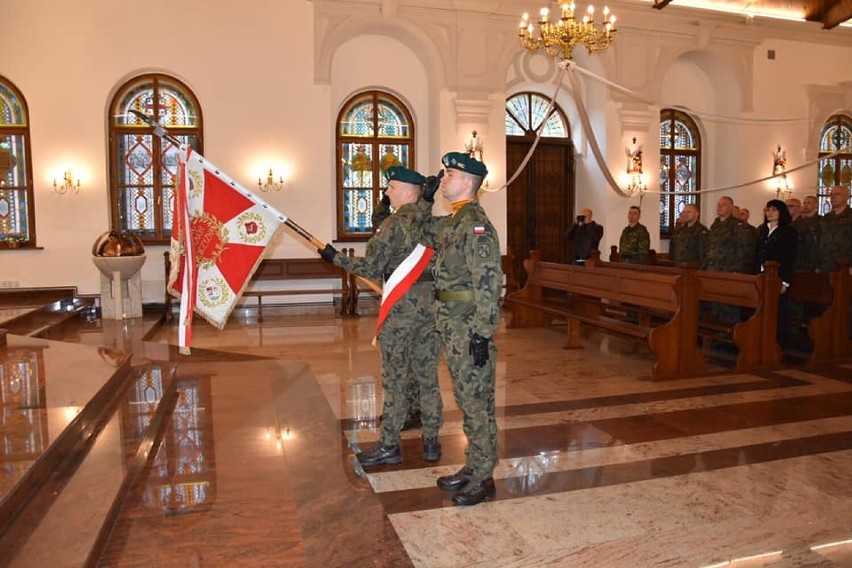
pixel 779 170
pixel 636 179
pixel 270 183
pixel 474 147
pixel 67 184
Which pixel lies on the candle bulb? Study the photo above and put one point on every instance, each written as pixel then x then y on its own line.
pixel 544 12
pixel 612 21
pixel 564 11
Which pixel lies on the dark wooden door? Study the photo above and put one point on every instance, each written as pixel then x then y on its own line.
pixel 540 203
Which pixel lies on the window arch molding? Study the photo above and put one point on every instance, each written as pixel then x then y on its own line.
pixel 17 197
pixel 374 130
pixel 680 152
pixel 143 166
pixel 835 136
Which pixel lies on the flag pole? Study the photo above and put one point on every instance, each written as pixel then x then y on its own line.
pixel 162 133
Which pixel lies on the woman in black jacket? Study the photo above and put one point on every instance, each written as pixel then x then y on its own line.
pixel 777 240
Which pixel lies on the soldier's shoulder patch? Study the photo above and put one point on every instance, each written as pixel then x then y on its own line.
pixel 378 230
pixel 479 229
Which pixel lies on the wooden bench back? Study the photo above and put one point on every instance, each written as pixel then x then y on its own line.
pixel 652 290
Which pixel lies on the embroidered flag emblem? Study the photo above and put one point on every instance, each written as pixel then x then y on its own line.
pixel 479 230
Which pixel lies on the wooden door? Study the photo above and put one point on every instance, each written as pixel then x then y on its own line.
pixel 540 203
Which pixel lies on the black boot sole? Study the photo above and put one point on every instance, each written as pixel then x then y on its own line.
pixel 453 485
pixel 374 463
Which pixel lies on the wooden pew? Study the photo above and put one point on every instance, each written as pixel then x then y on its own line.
pixel 829 332
pixel 755 337
pixel 654 258
pixel 586 290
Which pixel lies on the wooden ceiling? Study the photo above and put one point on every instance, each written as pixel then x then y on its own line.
pixel 830 13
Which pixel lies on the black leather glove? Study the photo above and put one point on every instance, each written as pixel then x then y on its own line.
pixel 328 253
pixel 385 200
pixel 479 349
pixel 431 185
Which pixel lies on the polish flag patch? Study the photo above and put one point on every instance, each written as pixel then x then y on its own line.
pixel 479 230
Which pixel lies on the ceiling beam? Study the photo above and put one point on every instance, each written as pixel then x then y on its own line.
pixel 660 4
pixel 836 14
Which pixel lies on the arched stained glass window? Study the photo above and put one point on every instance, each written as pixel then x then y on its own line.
pixel 143 166
pixel 680 167
pixel 525 113
pixel 836 137
pixel 374 132
pixel 17 207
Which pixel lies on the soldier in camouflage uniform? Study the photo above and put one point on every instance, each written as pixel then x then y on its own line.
pixel 635 242
pixel 808 227
pixel 730 248
pixel 836 238
pixel 689 239
pixel 408 337
pixel 382 211
pixel 469 278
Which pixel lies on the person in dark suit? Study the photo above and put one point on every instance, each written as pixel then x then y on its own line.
pixel 777 240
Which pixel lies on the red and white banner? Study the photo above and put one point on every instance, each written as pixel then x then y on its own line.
pixel 405 275
pixel 224 229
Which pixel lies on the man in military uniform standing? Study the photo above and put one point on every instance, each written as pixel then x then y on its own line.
pixel 689 239
pixel 808 227
pixel 730 248
pixel 635 242
pixel 468 278
pixel 836 238
pixel 408 336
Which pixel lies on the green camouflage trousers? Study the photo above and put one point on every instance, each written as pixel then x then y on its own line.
pixel 410 349
pixel 473 386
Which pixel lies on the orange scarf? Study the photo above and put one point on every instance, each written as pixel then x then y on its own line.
pixel 459 204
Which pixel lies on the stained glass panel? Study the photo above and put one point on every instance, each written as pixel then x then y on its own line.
pixel 357 165
pixel 392 155
pixel 13 161
pixel 836 136
pixel 13 214
pixel 392 122
pixel 11 111
pixel 683 137
pixel 666 134
pixel 357 210
pixel 359 120
pixel 519 106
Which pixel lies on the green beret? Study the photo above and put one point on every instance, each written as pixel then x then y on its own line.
pixel 463 162
pixel 404 175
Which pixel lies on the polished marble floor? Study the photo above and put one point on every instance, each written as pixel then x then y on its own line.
pixel 600 466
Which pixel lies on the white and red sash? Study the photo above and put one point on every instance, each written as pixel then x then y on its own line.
pixel 402 279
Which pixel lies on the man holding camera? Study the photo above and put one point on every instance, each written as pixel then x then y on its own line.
pixel 584 236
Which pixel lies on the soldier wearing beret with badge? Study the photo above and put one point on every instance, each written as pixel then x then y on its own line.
pixel 408 338
pixel 468 280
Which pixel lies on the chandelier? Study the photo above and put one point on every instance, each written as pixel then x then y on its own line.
pixel 559 38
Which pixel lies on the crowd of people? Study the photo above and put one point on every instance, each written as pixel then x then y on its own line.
pixel 792 233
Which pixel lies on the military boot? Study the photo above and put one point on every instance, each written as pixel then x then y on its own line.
pixel 431 449
pixel 455 481
pixel 378 454
pixel 476 491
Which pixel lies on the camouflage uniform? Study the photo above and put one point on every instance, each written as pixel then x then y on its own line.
pixel 469 278
pixel 409 339
pixel 836 239
pixel 634 245
pixel 382 211
pixel 688 244
pixel 730 248
pixel 808 254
